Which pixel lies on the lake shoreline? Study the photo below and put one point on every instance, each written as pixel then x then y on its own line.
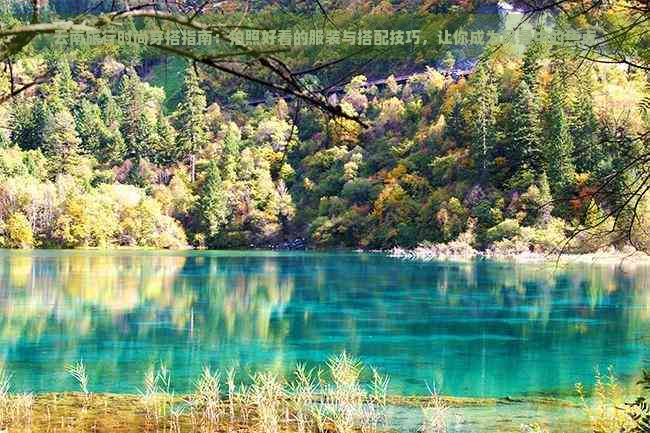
pixel 413 401
pixel 441 254
pixel 421 253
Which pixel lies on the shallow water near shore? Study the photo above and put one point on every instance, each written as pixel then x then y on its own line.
pixel 477 329
pixel 104 413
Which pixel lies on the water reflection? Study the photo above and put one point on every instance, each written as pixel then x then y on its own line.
pixel 476 329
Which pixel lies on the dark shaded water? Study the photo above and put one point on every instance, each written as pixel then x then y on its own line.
pixel 481 329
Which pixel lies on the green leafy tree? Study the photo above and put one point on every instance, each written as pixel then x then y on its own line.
pixel 18 231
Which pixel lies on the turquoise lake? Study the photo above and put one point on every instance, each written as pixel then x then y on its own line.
pixel 480 329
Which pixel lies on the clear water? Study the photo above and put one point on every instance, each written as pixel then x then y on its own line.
pixel 481 329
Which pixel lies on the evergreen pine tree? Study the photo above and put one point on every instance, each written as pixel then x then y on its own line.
pixel 584 128
pixel 213 202
pixel 28 121
pixel 63 92
pixel 97 139
pixel 481 111
pixel 111 114
pixel 455 124
pixel 131 103
pixel 31 120
pixel 559 148
pixel 231 149
pixel 525 130
pixel 60 141
pixel 192 131
pixel 5 142
pixel 146 141
pixel 531 65
pixel 89 126
pixel 165 152
pixel 115 148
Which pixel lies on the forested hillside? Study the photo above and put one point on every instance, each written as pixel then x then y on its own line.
pixel 509 157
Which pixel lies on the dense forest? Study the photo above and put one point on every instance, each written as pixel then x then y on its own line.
pixel 110 153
